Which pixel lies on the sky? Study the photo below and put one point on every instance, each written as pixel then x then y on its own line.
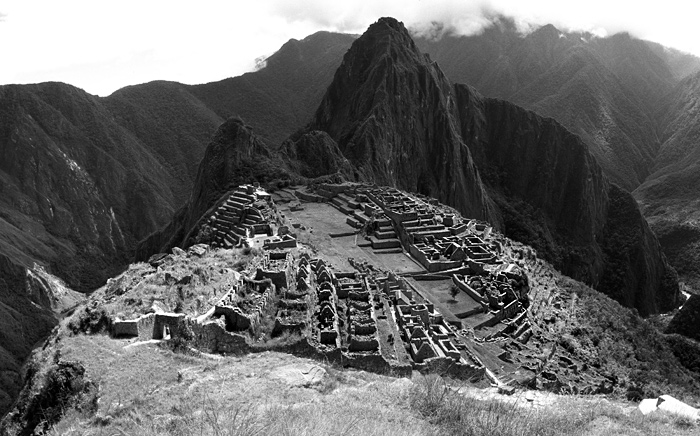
pixel 101 46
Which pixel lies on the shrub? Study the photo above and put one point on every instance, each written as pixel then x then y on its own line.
pixel 90 320
pixel 454 291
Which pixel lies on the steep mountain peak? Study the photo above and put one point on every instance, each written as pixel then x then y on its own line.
pixel 546 31
pixel 388 109
pixel 387 23
pixel 386 36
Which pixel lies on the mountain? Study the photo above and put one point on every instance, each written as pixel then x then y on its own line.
pixel 399 121
pixel 74 184
pixel 282 96
pixel 104 173
pixel 606 90
pixel 669 197
pixel 391 111
pixel 630 101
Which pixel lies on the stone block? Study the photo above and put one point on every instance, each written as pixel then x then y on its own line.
pixel 127 328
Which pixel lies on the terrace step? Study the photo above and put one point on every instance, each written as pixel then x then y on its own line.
pixel 389 251
pixel 384 243
pixel 385 234
pixel 352 222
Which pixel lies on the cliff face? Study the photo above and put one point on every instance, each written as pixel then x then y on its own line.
pixel 550 190
pixel 553 195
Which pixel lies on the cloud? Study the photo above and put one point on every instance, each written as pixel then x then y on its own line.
pixel 212 39
pixel 671 23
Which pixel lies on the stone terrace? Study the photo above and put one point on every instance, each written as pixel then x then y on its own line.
pixel 446 245
pixel 357 311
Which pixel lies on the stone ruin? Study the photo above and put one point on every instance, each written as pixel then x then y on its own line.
pixel 245 216
pixel 362 317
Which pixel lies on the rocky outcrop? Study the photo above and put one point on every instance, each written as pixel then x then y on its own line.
pixel 314 154
pixel 53 387
pixel 234 157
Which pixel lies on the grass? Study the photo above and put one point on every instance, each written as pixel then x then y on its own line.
pixel 171 394
pixel 457 414
pixel 152 391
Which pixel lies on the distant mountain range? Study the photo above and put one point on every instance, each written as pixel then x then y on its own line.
pixel 83 179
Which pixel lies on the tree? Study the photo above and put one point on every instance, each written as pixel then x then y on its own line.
pixel 454 291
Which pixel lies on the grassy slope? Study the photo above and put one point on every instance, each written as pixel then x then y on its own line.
pixel 148 390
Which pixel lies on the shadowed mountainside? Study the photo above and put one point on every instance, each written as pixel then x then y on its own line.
pixel 631 101
pixel 77 189
pixel 29 301
pixel 606 90
pixel 669 197
pixel 279 98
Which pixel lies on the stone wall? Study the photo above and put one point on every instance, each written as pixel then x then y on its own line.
pixel 211 337
pixel 469 290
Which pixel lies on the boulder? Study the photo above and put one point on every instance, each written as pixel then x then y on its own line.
pixel 300 374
